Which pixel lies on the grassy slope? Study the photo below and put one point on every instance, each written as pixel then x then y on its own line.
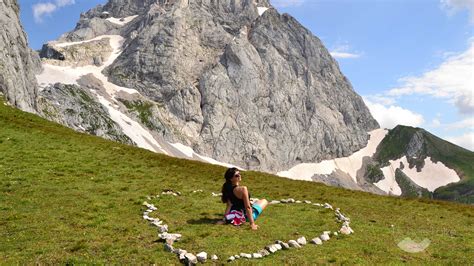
pixel 394 145
pixel 70 197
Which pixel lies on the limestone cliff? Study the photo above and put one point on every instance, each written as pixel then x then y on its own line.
pixel 18 63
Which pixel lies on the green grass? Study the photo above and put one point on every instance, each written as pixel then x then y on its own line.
pixel 67 197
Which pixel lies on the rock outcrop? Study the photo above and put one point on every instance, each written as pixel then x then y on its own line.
pixel 18 63
pixel 89 53
pixel 79 109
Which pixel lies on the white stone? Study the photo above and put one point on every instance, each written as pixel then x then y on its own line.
pixel 214 257
pixel 317 241
pixel 166 236
pixel 335 233
pixel 169 247
pixel 156 223
pixel 271 248
pixel 264 252
pixel 307 202
pixel 257 256
pixel 245 255
pixel 278 246
pixel 301 240
pixel 236 257
pixel 324 237
pixel 298 201
pixel 327 206
pixel 285 245
pixel 191 258
pixel 346 230
pixel 231 258
pixel 163 228
pixel 202 256
pixel 294 244
pixel 275 202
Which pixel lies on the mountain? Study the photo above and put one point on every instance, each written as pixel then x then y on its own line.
pixel 403 161
pixel 18 63
pixel 234 81
pixel 223 82
pixel 443 163
pixel 73 198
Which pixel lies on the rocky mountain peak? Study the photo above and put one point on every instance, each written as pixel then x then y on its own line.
pixel 234 80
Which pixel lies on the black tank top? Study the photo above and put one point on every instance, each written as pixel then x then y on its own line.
pixel 237 204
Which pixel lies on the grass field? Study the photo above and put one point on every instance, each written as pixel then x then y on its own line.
pixel 70 197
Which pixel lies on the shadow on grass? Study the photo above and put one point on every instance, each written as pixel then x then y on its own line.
pixel 204 220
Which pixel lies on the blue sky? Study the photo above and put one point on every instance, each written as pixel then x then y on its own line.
pixel 411 60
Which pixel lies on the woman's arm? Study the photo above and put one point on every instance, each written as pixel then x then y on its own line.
pixel 227 209
pixel 248 208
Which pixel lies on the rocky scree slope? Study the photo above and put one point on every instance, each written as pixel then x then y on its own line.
pixel 18 63
pixel 255 90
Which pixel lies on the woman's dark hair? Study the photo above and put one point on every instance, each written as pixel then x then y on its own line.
pixel 227 189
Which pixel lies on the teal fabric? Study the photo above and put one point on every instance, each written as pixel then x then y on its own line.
pixel 256 211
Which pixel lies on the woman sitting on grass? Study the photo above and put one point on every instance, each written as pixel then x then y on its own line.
pixel 237 199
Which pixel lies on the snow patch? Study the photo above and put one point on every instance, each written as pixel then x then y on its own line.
pixel 131 128
pixel 349 165
pixel 389 183
pixel 188 151
pixel 121 21
pixel 261 10
pixel 191 154
pixel 431 177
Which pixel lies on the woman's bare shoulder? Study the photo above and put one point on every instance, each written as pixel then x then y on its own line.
pixel 240 190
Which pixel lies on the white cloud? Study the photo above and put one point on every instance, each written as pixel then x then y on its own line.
pixel 391 116
pixel 343 52
pixel 380 98
pixel 453 6
pixel 467 123
pixel 47 8
pixel 287 3
pixel 61 3
pixel 435 122
pixel 466 141
pixel 344 55
pixel 42 9
pixel 453 80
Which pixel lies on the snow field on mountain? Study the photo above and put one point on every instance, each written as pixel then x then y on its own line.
pixel 432 175
pixel 261 10
pixel 121 21
pixel 349 165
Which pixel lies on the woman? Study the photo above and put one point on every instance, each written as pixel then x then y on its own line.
pixel 237 199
